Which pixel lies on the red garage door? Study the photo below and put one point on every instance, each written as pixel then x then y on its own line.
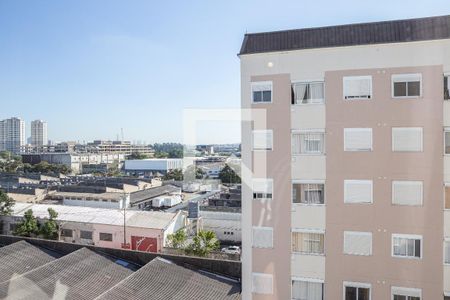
pixel 145 244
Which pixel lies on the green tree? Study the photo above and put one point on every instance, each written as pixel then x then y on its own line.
pixel 6 204
pixel 49 229
pixel 176 174
pixel 227 175
pixel 29 226
pixel 137 155
pixel 203 243
pixel 177 240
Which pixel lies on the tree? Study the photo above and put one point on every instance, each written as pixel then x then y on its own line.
pixel 192 172
pixel 227 175
pixel 177 240
pixel 50 228
pixel 137 155
pixel 29 226
pixel 203 243
pixel 176 174
pixel 6 204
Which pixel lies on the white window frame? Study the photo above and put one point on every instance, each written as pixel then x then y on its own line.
pixel 356 285
pixel 259 84
pixel 350 78
pixel 446 240
pixel 254 180
pixel 267 131
pixel 308 131
pixel 358 181
pixel 359 130
pixel 266 275
pixel 410 128
pixel 361 233
pixel 401 76
pixel 313 101
pixel 313 231
pixel 406 182
pixel 409 237
pixel 262 228
pixel 308 182
pixel 309 280
pixel 408 292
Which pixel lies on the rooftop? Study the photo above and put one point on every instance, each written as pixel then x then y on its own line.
pixel 152 193
pixel 397 31
pixel 134 218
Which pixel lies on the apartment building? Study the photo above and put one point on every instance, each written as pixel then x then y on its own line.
pixel 350 174
pixel 12 134
pixel 39 136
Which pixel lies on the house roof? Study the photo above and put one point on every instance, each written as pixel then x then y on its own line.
pixel 397 31
pixel 161 279
pixel 82 274
pixel 134 218
pixel 21 257
pixel 147 194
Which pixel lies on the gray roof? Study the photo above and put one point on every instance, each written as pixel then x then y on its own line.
pixel 161 280
pixel 22 257
pixel 422 29
pixel 147 194
pixel 82 274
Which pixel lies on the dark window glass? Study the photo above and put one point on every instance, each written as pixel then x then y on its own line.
pixel 350 293
pixel 257 96
pixel 267 96
pixel 87 235
pixel 397 297
pixel 363 294
pixel 105 237
pixel 414 88
pixel 446 96
pixel 66 232
pixel 399 89
pixel 417 246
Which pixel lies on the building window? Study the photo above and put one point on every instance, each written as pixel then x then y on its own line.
pixel 401 293
pixel 447 196
pixel 357 139
pixel 87 235
pixel 357 87
pixel 407 192
pixel 262 92
pixel 447 140
pixel 406 85
pixel 262 237
pixel 408 246
pixel 12 227
pixel 357 243
pixel 308 193
pixel 67 233
pixel 308 92
pixel 308 143
pixel 358 191
pixel 308 242
pixel 262 139
pixel 447 251
pixel 107 237
pixel 307 290
pixel 262 283
pixel 407 139
pixel 262 188
pixel 446 87
pixel 356 291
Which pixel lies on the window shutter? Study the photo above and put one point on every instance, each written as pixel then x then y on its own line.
pixel 358 243
pixel 358 87
pixel 262 139
pixel 402 291
pixel 357 139
pixel 407 192
pixel 262 283
pixel 262 237
pixel 358 191
pixel 407 139
pixel 262 185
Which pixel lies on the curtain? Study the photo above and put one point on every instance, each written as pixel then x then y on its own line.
pixel 304 290
pixel 306 242
pixel 301 93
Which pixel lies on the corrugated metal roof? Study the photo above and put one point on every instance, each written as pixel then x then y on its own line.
pixel 397 31
pixel 161 280
pixel 147 194
pixel 142 219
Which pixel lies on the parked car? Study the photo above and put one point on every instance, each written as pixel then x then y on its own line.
pixel 232 250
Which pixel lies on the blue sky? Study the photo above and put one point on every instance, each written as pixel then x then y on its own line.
pixel 90 68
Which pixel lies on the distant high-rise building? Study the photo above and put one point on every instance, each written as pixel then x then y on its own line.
pixel 12 134
pixel 39 133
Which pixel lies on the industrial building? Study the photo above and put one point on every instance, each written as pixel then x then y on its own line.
pixel 152 166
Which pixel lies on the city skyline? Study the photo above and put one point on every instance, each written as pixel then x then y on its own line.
pixel 90 69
